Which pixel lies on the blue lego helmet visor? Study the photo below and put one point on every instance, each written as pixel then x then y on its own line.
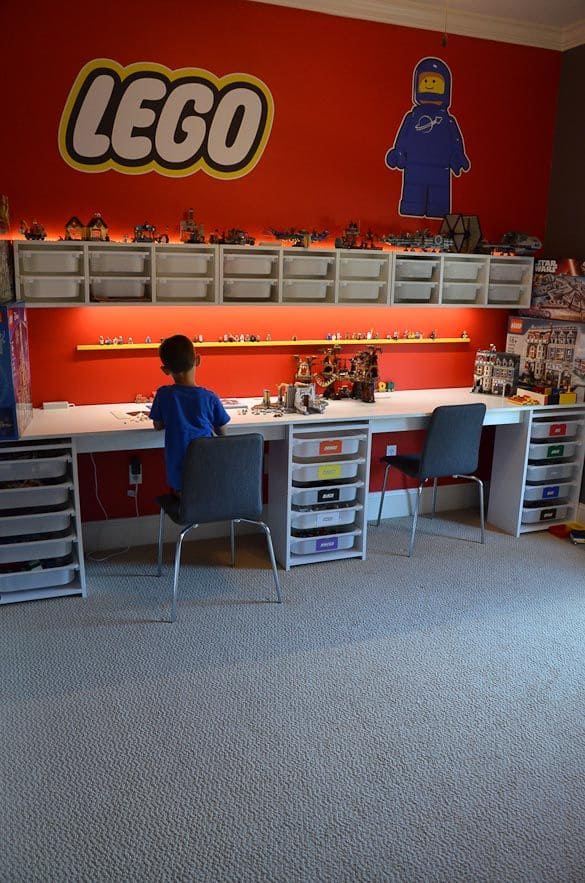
pixel 431 82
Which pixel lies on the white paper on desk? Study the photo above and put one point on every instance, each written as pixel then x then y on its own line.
pixel 134 416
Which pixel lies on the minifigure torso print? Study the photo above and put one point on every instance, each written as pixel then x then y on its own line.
pixel 429 146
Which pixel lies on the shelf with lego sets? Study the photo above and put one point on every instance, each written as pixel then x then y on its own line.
pixel 375 341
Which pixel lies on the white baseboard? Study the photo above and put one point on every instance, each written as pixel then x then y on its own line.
pixel 115 533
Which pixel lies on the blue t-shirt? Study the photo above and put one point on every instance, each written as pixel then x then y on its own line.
pixel 187 412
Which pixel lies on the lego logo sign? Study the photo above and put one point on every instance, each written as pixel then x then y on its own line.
pixel 146 117
pixel 516 326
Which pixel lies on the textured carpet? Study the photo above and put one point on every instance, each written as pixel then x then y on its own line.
pixel 393 720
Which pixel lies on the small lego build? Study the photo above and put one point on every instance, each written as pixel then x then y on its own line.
pixel 146 233
pixel 97 229
pixel 233 236
pixel 299 238
pixel 190 230
pixel 75 230
pixel 352 238
pixel 36 231
pixel 420 240
pixel 522 243
pixel 4 214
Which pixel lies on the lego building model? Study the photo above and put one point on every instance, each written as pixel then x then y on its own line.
pixel 495 372
pixel 552 357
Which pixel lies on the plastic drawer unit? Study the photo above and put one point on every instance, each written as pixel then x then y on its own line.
pixel 547 491
pixel 40 529
pixel 550 472
pixel 462 271
pixel 325 472
pixel 249 289
pixel 53 288
pixel 325 496
pixel 505 294
pixel 301 521
pixel 57 261
pixel 414 292
pixel 184 289
pixel 249 264
pixel 361 290
pixel 415 268
pixel 118 262
pixel 333 542
pixel 307 289
pixel 325 447
pixel 188 263
pixel 122 288
pixel 361 268
pixel 460 292
pixel 539 514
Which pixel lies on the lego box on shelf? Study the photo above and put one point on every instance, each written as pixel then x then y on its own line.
pixel 552 358
pixel 558 289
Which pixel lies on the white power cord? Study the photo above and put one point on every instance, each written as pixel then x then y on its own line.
pixel 106 516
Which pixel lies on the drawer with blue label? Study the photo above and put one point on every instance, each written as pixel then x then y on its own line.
pixel 321 545
pixel 548 491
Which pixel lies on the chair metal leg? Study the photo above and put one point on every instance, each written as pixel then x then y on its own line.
pixel 180 539
pixel 414 519
pixel 479 483
pixel 435 481
pixel 268 535
pixel 233 542
pixel 383 492
pixel 160 542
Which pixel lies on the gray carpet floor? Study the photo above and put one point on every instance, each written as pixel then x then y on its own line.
pixel 393 720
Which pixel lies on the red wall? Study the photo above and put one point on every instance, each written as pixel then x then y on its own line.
pixel 340 87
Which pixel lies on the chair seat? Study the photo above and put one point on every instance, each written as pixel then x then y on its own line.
pixel 407 463
pixel 170 503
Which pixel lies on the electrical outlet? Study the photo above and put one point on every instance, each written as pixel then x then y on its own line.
pixel 391 450
pixel 135 471
pixel 131 492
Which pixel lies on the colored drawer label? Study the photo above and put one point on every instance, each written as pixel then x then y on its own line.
pixel 548 514
pixel 555 450
pixel 331 446
pixel 327 544
pixel 333 470
pixel 549 493
pixel 330 495
pixel 324 518
pixel 558 429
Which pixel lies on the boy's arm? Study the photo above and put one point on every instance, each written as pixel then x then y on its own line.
pixel 156 415
pixel 220 417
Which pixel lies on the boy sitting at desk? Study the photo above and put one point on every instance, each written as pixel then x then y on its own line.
pixel 184 410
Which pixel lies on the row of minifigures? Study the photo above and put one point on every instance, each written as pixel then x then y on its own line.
pixel 257 338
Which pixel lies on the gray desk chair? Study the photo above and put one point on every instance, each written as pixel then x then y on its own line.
pixel 451 448
pixel 222 481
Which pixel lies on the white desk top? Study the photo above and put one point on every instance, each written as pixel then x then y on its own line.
pixel 96 427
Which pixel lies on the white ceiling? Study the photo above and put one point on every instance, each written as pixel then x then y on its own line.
pixel 550 24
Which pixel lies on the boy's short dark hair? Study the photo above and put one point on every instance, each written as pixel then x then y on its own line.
pixel 177 354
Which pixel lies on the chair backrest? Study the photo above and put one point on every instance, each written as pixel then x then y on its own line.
pixel 222 479
pixel 452 440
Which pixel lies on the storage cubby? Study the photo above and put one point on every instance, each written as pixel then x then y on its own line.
pixel 308 276
pixel 119 273
pixel 185 274
pixel 363 277
pixel 464 280
pixel 510 281
pixel 416 278
pixel 249 275
pixel 40 527
pixel 48 273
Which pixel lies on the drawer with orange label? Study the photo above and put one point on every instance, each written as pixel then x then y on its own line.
pixel 322 447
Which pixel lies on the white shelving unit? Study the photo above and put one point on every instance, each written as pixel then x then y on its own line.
pixel 538 478
pixel 40 527
pixel 318 489
pixel 96 273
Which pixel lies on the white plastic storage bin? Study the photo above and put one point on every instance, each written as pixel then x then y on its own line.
pixel 350 291
pixel 326 518
pixel 550 472
pixel 306 289
pixel 547 492
pixel 414 269
pixel 505 294
pixel 545 513
pixel 323 447
pixel 37 579
pixel 464 271
pixel 27 497
pixel 118 289
pixel 460 292
pixel 54 289
pixel 363 268
pixel 57 547
pixel 187 263
pixel 555 451
pixel 413 291
pixel 40 522
pixel 118 262
pixel 321 496
pixel 323 544
pixel 247 289
pixel 511 272
pixel 183 289
pixel 51 261
pixel 307 265
pixel 249 264
pixel 30 468
pixel 558 429
pixel 326 472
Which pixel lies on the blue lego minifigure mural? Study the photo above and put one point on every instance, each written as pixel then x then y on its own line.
pixel 429 145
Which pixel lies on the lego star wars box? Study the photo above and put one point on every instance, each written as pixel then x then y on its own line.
pixel 558 289
pixel 552 357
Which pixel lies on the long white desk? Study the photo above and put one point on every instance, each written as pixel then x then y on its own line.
pixel 95 428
